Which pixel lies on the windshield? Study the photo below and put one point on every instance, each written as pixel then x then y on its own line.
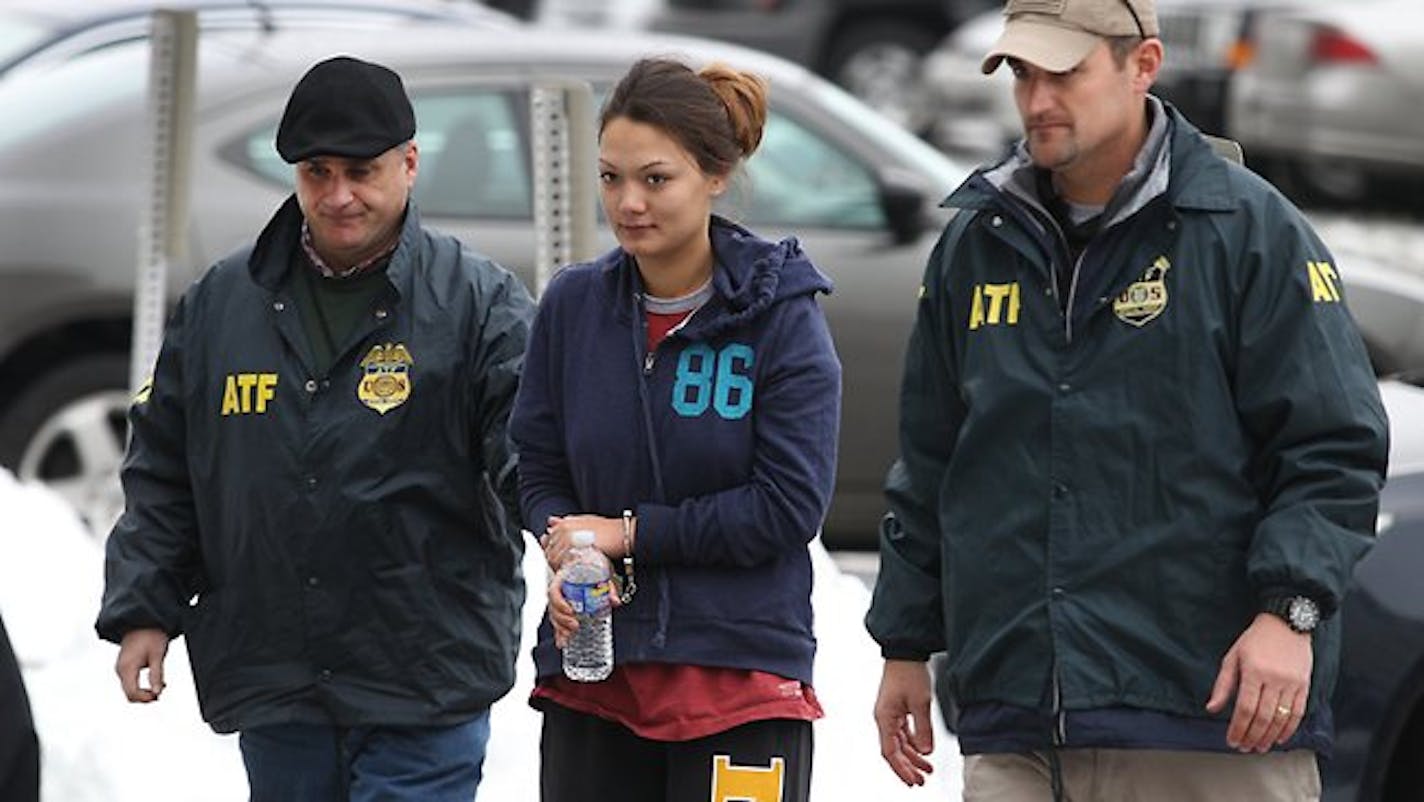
pixel 943 173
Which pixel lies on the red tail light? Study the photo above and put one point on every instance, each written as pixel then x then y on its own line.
pixel 1334 46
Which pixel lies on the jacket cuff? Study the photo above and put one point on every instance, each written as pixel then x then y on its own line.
pixel 1323 602
pixel 894 653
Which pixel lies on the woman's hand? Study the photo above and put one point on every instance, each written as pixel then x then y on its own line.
pixel 561 613
pixel 557 538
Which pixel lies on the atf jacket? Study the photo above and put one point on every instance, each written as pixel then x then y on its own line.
pixel 350 538
pixel 722 441
pixel 1089 509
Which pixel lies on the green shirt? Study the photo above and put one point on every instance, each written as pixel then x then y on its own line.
pixel 331 307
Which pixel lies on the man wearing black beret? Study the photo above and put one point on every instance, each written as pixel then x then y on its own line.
pixel 319 491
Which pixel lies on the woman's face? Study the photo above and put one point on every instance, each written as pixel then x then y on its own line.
pixel 655 196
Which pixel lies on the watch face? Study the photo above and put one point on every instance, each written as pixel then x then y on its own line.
pixel 1304 615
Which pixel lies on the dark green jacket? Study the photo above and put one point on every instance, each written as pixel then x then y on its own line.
pixel 351 538
pixel 1103 513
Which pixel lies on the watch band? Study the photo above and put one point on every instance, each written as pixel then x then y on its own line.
pixel 1301 613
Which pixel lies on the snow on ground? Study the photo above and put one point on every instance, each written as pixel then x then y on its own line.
pixel 99 748
pixel 1396 242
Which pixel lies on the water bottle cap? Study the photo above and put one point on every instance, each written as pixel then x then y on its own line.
pixel 582 537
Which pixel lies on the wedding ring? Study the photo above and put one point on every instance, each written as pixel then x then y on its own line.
pixel 1282 711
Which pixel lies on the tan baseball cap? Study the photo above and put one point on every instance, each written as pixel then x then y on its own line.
pixel 1057 34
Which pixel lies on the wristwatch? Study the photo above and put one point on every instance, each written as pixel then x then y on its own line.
pixel 1300 613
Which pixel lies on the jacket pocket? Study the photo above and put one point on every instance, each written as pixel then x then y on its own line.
pixel 208 646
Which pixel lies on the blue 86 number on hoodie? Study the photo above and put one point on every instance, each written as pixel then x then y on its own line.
pixel 720 379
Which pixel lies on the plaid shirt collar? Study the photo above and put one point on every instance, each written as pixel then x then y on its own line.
pixel 360 267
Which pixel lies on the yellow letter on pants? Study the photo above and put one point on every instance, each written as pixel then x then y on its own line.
pixel 746 783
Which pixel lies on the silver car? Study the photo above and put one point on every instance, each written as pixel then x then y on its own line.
pixel 859 191
pixel 1333 96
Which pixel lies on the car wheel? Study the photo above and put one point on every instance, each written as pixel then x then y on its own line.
pixel 1334 182
pixel 880 63
pixel 1404 773
pixel 67 430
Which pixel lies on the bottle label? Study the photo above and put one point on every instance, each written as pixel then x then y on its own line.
pixel 588 599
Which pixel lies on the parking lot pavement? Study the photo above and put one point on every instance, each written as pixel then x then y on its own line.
pixel 1395 240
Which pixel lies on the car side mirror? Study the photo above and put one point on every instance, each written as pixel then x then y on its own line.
pixel 902 199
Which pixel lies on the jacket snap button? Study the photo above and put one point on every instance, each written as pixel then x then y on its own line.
pixel 380 314
pixel 311 385
pixel 278 305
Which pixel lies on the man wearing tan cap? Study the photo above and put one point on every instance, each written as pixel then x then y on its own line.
pixel 1141 451
pixel 320 496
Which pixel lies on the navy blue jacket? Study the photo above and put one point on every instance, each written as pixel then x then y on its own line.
pixel 1090 510
pixel 350 535
pixel 723 442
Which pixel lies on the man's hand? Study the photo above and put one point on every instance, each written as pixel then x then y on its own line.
pixel 1268 670
pixel 902 714
pixel 142 649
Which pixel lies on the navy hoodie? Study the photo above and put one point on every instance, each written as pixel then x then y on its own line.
pixel 722 441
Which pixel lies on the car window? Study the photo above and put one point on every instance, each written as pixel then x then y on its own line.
pixel 797 178
pixel 473 161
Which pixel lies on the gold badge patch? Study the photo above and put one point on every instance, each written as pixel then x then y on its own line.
pixel 385 380
pixel 1144 299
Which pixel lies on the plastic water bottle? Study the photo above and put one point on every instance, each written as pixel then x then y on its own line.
pixel 588 586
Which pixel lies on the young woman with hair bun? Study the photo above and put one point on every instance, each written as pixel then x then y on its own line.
pixel 681 399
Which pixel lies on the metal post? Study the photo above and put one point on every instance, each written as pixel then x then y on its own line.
pixel 163 231
pixel 564 167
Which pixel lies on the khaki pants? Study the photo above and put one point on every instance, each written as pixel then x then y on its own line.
pixel 1110 775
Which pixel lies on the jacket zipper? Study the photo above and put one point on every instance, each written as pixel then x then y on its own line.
pixel 651 357
pixel 1061 240
pixel 1072 293
pixel 640 337
pixel 1060 725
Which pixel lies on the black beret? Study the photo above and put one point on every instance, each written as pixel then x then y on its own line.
pixel 345 107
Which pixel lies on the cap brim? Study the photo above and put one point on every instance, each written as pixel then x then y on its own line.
pixel 1044 45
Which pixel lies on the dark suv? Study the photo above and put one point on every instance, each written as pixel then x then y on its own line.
pixel 873 48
